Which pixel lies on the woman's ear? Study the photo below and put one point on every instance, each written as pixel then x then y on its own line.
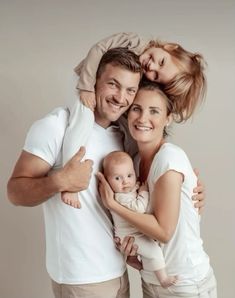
pixel 169 120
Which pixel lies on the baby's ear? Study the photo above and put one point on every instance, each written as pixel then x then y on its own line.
pixel 170 47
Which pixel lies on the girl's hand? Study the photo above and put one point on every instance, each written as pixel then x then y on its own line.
pixel 88 99
pixel 106 192
pixel 200 194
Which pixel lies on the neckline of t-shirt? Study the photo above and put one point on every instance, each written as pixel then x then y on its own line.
pixel 110 129
pixel 165 144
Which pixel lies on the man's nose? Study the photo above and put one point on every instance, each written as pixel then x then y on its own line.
pixel 120 96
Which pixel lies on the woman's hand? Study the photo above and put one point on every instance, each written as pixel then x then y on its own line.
pixel 200 194
pixel 106 192
pixel 88 99
pixel 143 187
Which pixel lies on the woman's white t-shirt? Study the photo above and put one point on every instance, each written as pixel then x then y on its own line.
pixel 184 254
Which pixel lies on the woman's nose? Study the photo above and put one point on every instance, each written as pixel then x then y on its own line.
pixel 142 117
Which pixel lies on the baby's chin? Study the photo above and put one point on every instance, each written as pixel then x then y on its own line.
pixel 126 190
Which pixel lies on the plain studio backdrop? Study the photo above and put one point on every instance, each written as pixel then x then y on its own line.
pixel 41 41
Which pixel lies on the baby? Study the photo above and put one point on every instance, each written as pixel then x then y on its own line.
pixel 119 171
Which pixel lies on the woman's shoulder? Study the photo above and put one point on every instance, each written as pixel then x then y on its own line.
pixel 170 156
pixel 170 150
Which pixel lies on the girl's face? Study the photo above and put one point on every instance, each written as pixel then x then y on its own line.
pixel 148 116
pixel 158 65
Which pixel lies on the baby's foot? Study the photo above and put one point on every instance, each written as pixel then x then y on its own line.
pixel 71 199
pixel 168 281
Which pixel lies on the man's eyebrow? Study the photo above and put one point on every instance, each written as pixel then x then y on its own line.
pixel 133 87
pixel 115 80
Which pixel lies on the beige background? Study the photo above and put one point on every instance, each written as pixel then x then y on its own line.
pixel 41 41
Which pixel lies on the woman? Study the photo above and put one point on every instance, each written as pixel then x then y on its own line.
pixel 172 218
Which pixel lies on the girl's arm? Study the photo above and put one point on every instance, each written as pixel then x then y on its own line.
pixel 88 67
pixel 166 203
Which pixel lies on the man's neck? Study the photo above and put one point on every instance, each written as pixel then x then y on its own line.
pixel 102 122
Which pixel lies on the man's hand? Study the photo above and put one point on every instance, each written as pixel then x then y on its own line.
pixel 75 175
pixel 129 250
pixel 200 195
pixel 88 99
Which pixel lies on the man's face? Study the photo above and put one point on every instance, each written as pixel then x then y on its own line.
pixel 115 91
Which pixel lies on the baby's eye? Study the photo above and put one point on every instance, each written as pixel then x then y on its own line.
pixel 129 175
pixel 117 178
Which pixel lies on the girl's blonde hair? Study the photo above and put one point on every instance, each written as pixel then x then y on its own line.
pixel 188 88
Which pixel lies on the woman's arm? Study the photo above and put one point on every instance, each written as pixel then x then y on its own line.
pixel 166 203
pixel 88 67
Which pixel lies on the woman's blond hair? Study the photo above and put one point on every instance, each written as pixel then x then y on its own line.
pixel 187 89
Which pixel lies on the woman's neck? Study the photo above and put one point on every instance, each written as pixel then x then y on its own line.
pixel 147 153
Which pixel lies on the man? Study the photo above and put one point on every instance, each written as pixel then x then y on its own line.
pixel 81 256
pixel 82 260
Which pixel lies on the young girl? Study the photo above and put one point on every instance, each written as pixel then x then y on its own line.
pixel 172 218
pixel 118 169
pixel 180 72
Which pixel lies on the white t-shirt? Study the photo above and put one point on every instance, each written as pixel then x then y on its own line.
pixel 79 242
pixel 184 254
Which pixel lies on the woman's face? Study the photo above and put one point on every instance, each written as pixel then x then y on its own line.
pixel 148 116
pixel 158 65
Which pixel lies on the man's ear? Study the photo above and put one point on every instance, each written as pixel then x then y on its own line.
pixel 170 47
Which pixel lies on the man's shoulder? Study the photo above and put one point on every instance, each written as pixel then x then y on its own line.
pixel 46 135
pixel 54 122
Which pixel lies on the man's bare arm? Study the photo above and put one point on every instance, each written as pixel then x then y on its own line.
pixel 30 184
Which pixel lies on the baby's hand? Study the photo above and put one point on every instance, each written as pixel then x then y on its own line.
pixel 143 187
pixel 88 99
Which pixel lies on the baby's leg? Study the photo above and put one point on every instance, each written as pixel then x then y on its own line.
pixel 77 133
pixel 71 199
pixel 153 260
pixel 164 279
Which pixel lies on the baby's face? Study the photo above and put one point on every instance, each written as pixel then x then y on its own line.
pixel 121 177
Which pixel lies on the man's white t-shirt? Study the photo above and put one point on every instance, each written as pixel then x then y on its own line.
pixel 79 242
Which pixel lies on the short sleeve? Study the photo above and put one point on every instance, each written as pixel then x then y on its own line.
pixel 170 157
pixel 45 136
